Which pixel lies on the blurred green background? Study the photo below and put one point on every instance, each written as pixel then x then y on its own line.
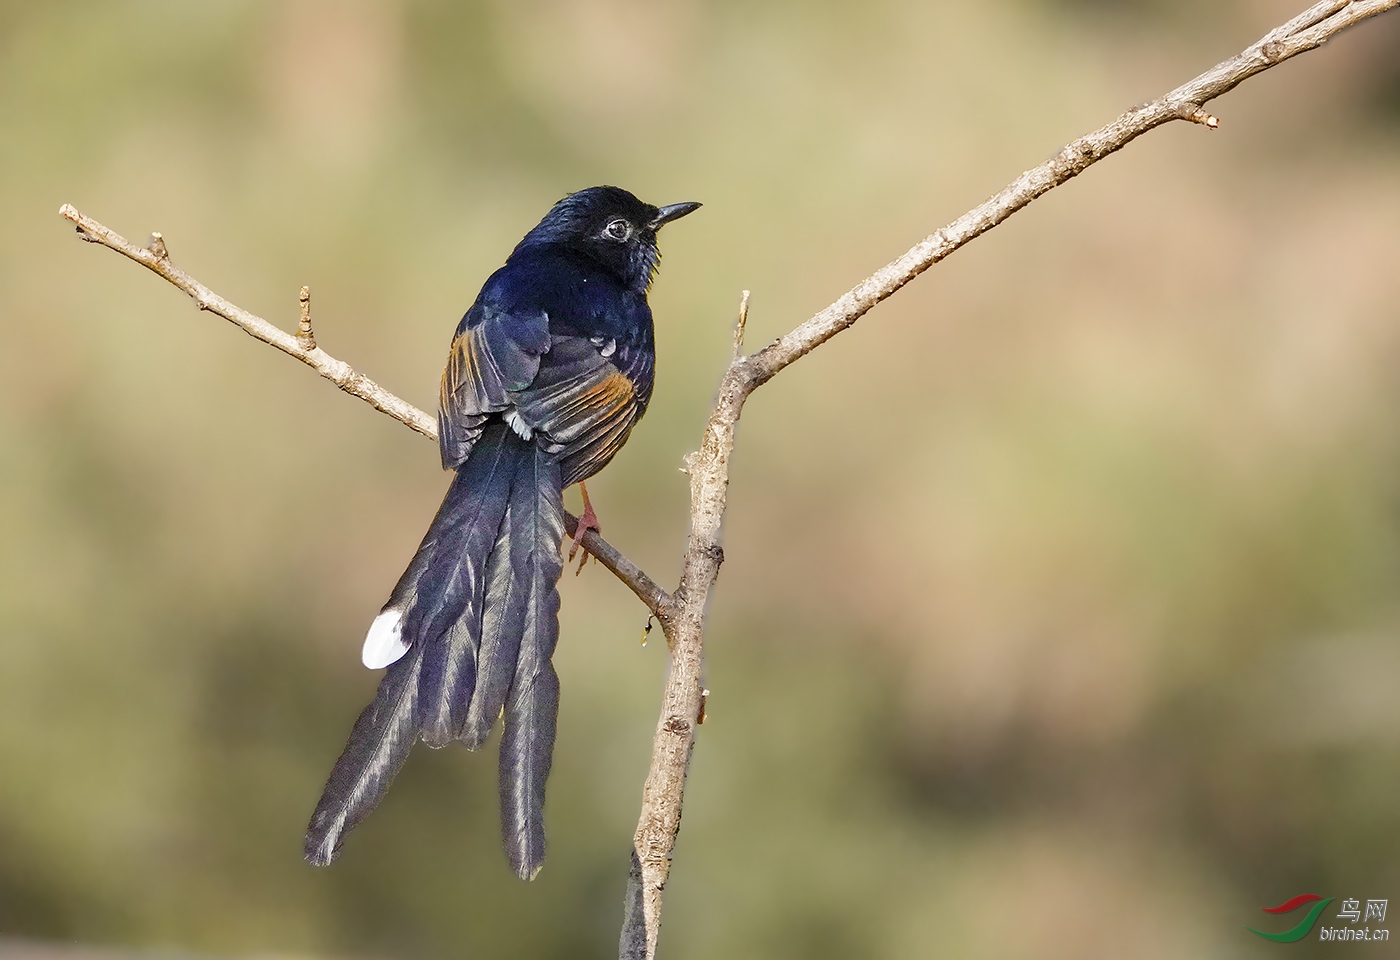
pixel 1060 616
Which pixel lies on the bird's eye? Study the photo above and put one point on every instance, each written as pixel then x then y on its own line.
pixel 619 230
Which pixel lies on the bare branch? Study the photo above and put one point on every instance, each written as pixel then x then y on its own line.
pixel 1306 32
pixel 156 258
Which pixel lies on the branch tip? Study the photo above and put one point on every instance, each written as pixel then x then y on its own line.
pixel 739 327
pixel 306 337
pixel 69 212
pixel 1194 112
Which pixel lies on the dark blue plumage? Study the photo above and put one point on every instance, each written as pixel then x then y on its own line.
pixel 549 371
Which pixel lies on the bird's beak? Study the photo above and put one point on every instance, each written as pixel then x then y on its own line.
pixel 673 211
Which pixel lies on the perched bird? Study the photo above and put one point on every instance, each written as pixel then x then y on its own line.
pixel 549 371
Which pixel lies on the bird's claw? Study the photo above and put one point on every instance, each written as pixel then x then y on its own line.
pixel 587 522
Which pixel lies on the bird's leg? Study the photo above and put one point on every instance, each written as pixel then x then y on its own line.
pixel 589 521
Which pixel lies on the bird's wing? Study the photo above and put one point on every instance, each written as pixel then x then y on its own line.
pixel 494 353
pixel 583 404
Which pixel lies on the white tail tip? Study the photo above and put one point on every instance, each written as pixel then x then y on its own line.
pixel 383 643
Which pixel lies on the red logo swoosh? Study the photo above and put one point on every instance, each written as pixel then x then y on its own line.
pixel 1293 904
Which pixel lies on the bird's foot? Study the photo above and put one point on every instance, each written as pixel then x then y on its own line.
pixel 589 521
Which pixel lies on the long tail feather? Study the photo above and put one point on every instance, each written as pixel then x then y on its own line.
pixel 379 744
pixel 427 634
pixel 502 626
pixel 449 629
pixel 532 706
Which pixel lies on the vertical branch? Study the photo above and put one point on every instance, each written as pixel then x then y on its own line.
pixel 684 624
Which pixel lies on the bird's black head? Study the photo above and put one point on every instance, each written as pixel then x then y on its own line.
pixel 610 226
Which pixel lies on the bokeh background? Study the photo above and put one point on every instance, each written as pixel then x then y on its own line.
pixel 1060 613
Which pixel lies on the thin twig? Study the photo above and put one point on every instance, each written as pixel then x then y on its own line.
pixel 302 345
pixel 739 326
pixel 1305 32
pixel 336 371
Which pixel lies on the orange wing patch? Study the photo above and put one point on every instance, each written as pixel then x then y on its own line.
pixel 608 396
